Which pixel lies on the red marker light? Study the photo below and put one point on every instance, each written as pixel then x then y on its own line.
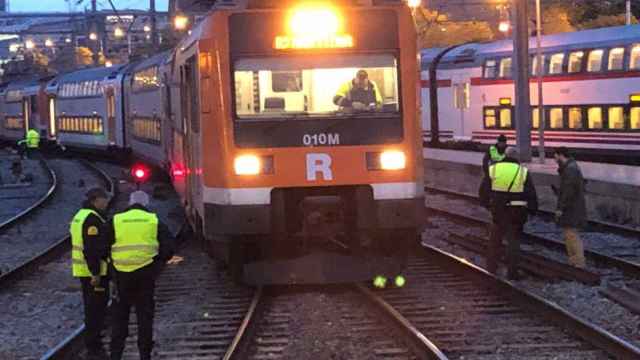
pixel 140 173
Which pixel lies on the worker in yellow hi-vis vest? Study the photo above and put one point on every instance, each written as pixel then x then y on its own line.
pixel 140 242
pixel 88 263
pixel 509 193
pixel 30 144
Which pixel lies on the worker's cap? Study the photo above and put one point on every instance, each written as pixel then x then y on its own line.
pixel 96 193
pixel 362 74
pixel 512 152
pixel 502 138
pixel 139 197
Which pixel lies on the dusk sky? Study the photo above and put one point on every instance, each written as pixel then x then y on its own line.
pixel 61 5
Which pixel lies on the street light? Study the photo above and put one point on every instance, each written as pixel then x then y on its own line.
pixel 93 36
pixel 48 43
pixel 414 3
pixel 67 40
pixel 118 32
pixel 504 26
pixel 29 44
pixel 146 28
pixel 180 22
pixel 14 47
pixel 108 63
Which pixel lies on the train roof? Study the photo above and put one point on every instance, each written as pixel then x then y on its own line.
pixel 609 36
pixel 98 73
pixel 157 59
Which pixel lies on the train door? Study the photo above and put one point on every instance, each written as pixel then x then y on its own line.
pixel 461 101
pixel 191 125
pixel 111 115
pixel 26 112
pixel 52 116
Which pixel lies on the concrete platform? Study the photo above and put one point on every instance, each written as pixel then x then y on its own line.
pixel 613 191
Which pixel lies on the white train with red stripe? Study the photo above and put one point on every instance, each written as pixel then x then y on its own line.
pixel 591 90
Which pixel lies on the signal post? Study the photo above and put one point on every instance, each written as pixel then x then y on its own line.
pixel 521 77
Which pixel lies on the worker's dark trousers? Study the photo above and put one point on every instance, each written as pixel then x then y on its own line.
pixel 509 223
pixel 95 305
pixel 135 288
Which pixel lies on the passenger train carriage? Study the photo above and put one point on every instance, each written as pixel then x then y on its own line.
pixel 284 185
pixel 591 90
pixel 23 105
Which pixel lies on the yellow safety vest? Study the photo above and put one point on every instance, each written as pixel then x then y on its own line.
pixel 345 91
pixel 495 155
pixel 33 139
pixel 79 265
pixel 508 177
pixel 136 233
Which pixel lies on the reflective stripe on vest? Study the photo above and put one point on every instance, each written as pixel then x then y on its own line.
pixel 79 265
pixel 506 174
pixel 136 233
pixel 495 155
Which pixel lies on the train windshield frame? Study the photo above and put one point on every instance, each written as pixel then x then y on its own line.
pixel 303 87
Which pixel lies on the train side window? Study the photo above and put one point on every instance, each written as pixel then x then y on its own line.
pixel 489 118
pixel 616 59
pixel 490 69
pixel 594 61
pixel 616 118
pixel 594 117
pixel 555 63
pixel 634 113
pixel 286 81
pixel 505 118
pixel 535 117
pixel 575 62
pixel 575 118
pixel 556 118
pixel 634 60
pixel 534 65
pixel 505 68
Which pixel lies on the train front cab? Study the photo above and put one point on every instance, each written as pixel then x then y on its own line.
pixel 294 188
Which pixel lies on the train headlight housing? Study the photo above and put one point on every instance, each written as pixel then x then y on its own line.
pixel 393 160
pixel 247 165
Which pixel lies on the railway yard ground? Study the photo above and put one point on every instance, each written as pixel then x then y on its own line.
pixel 450 308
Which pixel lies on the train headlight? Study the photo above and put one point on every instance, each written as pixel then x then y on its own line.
pixel 392 160
pixel 247 165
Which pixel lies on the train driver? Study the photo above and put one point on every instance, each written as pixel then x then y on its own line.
pixel 359 93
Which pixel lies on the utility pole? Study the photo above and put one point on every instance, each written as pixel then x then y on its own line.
pixel 628 22
pixel 540 70
pixel 94 30
pixel 521 76
pixel 154 26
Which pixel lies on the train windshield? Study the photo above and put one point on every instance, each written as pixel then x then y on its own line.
pixel 316 86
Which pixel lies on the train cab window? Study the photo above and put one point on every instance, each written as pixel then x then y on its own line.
pixel 505 118
pixel 616 59
pixel 594 117
pixel 535 66
pixel 490 69
pixel 634 116
pixel 616 118
pixel 634 59
pixel 575 118
pixel 505 68
pixel 555 63
pixel 535 117
pixel 575 62
pixel 286 81
pixel 326 86
pixel 594 61
pixel 556 118
pixel 489 118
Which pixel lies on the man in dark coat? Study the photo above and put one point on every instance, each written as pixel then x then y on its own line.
pixel 571 212
pixel 509 193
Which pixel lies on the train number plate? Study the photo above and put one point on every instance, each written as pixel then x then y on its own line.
pixel 320 139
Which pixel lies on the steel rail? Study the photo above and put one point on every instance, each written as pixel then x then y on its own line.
pixel 241 335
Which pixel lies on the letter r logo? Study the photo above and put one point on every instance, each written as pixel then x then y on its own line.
pixel 319 163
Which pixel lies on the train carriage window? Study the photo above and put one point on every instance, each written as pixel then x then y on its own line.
pixel 634 116
pixel 489 118
pixel 505 118
pixel 535 117
pixel 323 83
pixel 146 79
pixel 616 118
pixel 575 62
pixel 534 65
pixel 556 118
pixel 286 81
pixel 555 63
pixel 575 118
pixel 490 69
pixel 616 59
pixel 461 96
pixel 594 61
pixel 634 60
pixel 505 68
pixel 594 117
